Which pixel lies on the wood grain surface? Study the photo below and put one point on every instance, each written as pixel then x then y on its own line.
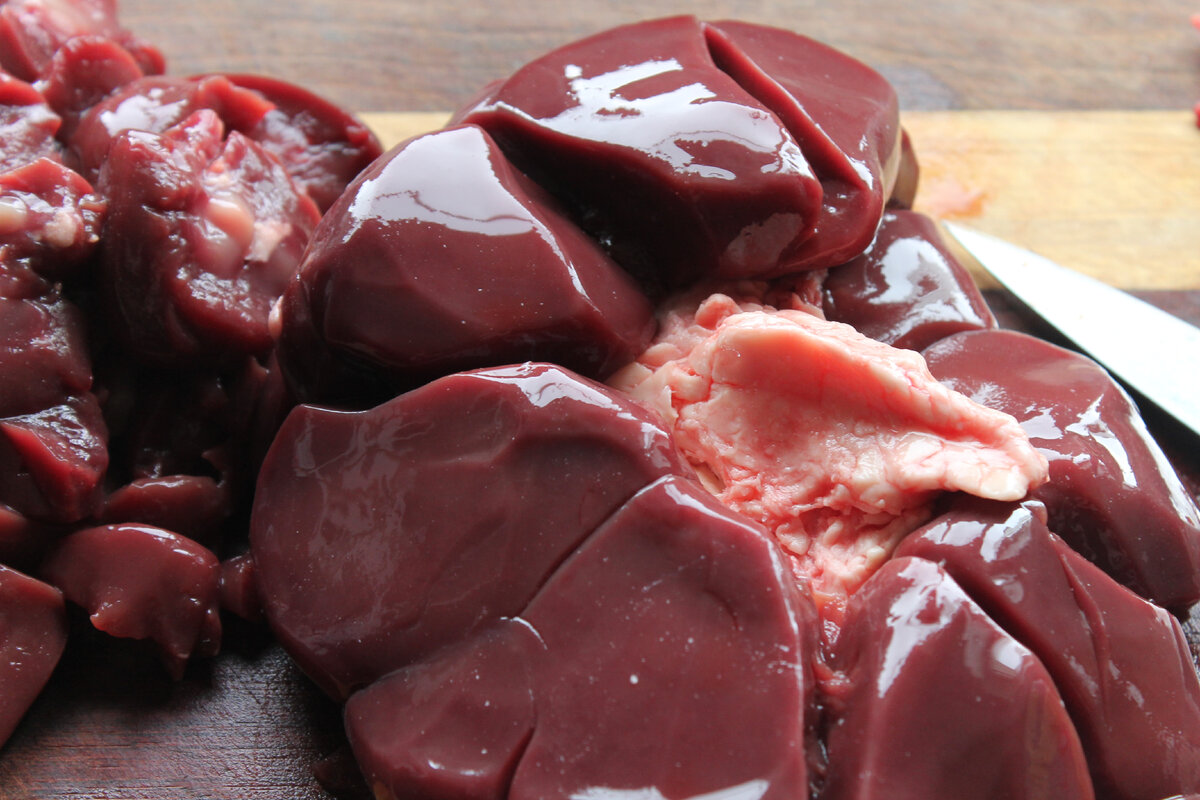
pixel 411 55
pixel 1064 126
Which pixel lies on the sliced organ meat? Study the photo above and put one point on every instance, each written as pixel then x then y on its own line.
pixel 382 535
pixel 50 219
pixel 141 582
pixel 321 146
pixel 667 657
pixel 835 442
pixel 27 125
pixel 33 634
pixel 83 72
pixel 1112 494
pixel 908 289
pixel 442 257
pixel 940 703
pixel 1121 664
pixel 43 355
pixel 203 233
pixel 32 31
pixel 843 114
pixel 659 152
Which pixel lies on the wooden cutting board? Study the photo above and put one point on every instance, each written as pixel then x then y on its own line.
pixel 1115 194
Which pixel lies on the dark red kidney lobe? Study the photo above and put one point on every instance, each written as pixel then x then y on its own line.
pixel 907 290
pixel 1112 494
pixel 33 634
pixel 27 124
pixel 379 536
pixel 666 656
pixel 843 114
pixel 661 155
pixel 940 702
pixel 1121 664
pixel 443 257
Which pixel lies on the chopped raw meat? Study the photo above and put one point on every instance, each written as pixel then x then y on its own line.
pixel 835 442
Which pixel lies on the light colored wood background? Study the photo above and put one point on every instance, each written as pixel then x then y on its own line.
pixel 1114 194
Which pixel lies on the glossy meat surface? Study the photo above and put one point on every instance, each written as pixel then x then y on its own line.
pixel 907 289
pixel 379 536
pixel 1112 495
pixel 33 633
pixel 443 257
pixel 1121 664
pixel 141 582
pixel 941 703
pixel 707 604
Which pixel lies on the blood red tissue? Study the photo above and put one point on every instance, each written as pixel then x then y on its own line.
pixel 33 635
pixel 443 257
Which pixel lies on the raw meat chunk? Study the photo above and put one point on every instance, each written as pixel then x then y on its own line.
pixel 379 536
pixel 32 31
pixel 1112 494
pixel 442 257
pixel 321 146
pixel 661 153
pixel 141 582
pixel 27 125
pixel 941 704
pixel 835 442
pixel 203 233
pixel 82 73
pixel 843 114
pixel 33 633
pixel 667 657
pixel 1120 663
pixel 907 290
pixel 50 219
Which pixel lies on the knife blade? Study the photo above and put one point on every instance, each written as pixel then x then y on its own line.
pixel 1155 353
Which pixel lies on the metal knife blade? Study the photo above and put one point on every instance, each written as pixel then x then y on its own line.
pixel 1154 352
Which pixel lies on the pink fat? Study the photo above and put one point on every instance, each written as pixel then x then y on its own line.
pixel 837 443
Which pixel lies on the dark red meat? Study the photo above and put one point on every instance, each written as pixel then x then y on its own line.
pixel 674 616
pixel 1112 494
pixel 33 633
pixel 661 153
pixel 203 233
pixel 379 536
pixel 84 71
pixel 32 31
pixel 141 582
pixel 50 219
pixel 907 290
pixel 939 702
pixel 322 147
pixel 1120 663
pixel 442 257
pixel 27 125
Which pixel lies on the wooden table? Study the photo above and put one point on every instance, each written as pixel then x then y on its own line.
pixel 1066 126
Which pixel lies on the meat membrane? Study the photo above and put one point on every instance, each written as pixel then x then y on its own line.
pixel 203 232
pixel 940 702
pixel 33 635
pixel 675 615
pixel 907 289
pixel 835 442
pixel 443 257
pixel 379 536
pixel 1120 663
pixel 140 582
pixel 648 134
pixel 32 31
pixel 1112 494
